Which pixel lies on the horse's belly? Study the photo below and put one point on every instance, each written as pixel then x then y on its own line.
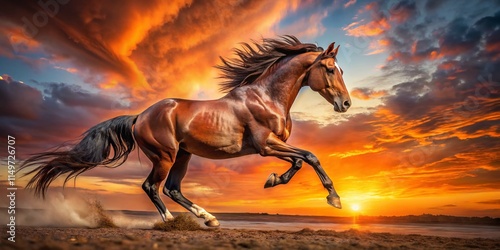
pixel 217 147
pixel 212 135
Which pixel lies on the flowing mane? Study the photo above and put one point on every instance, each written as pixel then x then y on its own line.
pixel 252 61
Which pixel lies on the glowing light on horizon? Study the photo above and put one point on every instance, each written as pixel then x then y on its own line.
pixel 355 207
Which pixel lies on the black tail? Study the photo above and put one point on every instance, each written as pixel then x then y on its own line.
pixel 92 151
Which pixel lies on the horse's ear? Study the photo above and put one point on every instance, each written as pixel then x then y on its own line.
pixel 330 49
pixel 336 50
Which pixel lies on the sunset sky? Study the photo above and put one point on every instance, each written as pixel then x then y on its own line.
pixel 423 76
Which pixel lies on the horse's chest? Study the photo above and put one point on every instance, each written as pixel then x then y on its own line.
pixel 271 118
pixel 277 124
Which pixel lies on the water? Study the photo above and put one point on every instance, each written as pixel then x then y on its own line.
pixel 444 230
pixel 265 222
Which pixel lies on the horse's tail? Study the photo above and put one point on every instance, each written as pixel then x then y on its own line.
pixel 91 151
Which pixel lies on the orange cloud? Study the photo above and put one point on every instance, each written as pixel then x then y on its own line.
pixel 448 65
pixel 407 57
pixel 371 6
pixel 378 46
pixel 367 94
pixel 373 28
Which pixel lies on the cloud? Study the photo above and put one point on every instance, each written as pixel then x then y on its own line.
pixel 142 46
pixel 490 202
pixel 372 28
pixel 74 95
pixel 180 63
pixel 18 99
pixel 89 39
pixel 307 27
pixel 402 11
pixel 378 24
pixel 433 5
pixel 438 118
pixel 62 111
pixel 459 37
pixel 443 207
pixel 367 93
pixel 349 3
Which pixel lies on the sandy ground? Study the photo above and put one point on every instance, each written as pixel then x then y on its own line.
pixel 121 238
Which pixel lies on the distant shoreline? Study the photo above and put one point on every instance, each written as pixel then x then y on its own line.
pixel 361 219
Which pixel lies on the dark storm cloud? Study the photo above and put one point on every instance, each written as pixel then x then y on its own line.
pixel 404 10
pixel 480 126
pixel 59 114
pixel 489 23
pixel 432 5
pixel 18 99
pixel 74 95
pixel 450 85
pixel 459 36
pixel 479 178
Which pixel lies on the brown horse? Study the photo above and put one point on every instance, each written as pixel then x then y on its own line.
pixel 253 118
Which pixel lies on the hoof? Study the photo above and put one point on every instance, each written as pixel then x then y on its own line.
pixel 334 201
pixel 271 180
pixel 167 217
pixel 212 223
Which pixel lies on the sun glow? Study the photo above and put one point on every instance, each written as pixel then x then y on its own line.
pixel 355 207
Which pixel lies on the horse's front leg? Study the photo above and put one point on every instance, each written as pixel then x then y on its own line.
pixel 273 146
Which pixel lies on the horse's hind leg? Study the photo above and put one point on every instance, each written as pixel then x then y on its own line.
pixel 173 189
pixel 152 185
pixel 274 179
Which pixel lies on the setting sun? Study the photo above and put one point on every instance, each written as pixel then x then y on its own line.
pixel 355 207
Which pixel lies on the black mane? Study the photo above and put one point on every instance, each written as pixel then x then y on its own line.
pixel 250 62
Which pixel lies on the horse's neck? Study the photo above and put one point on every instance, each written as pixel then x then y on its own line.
pixel 284 84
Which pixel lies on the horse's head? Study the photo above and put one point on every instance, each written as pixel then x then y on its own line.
pixel 325 77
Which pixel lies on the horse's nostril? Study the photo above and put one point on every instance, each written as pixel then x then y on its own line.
pixel 347 104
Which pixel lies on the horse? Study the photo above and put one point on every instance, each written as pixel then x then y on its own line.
pixel 261 84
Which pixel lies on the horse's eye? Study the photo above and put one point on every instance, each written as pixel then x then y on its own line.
pixel 330 70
